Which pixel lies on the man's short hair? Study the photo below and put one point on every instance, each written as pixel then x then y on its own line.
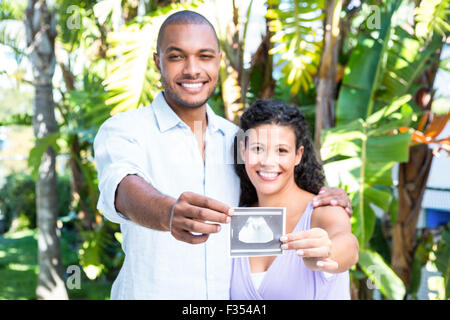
pixel 184 17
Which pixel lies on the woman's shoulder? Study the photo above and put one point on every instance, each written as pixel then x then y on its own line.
pixel 326 215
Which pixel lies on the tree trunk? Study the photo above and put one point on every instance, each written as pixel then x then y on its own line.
pixel 41 32
pixel 413 176
pixel 327 73
pixel 264 60
pixel 79 187
pixel 78 184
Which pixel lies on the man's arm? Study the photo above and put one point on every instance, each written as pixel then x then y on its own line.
pixel 140 202
pixel 127 193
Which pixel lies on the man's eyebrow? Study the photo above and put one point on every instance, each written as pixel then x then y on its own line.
pixel 173 48
pixel 208 50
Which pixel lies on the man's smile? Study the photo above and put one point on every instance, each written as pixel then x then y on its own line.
pixel 191 86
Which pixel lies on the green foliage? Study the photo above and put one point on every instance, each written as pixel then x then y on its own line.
pixel 364 152
pixel 432 15
pixel 294 25
pixel 36 153
pixel 100 252
pixel 421 257
pixel 373 103
pixel 18 199
pixel 381 275
pixel 12 9
pixel 19 267
pixel 443 257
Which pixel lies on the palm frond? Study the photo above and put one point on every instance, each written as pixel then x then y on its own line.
pixel 432 15
pixel 296 41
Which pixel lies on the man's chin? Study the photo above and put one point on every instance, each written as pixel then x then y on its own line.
pixel 193 104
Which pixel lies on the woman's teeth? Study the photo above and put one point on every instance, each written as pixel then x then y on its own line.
pixel 268 175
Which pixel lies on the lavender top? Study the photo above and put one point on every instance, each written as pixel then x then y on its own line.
pixel 288 278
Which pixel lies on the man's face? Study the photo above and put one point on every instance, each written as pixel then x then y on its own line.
pixel 188 62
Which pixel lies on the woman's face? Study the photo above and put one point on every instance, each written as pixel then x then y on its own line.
pixel 270 157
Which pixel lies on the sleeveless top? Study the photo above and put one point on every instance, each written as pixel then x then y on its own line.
pixel 288 278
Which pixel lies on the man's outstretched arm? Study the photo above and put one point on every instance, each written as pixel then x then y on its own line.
pixel 127 193
pixel 140 202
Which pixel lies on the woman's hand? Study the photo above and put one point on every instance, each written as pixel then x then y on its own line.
pixel 314 246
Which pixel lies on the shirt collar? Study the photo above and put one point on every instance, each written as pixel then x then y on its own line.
pixel 167 118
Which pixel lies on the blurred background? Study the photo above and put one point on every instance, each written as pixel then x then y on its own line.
pixel 371 77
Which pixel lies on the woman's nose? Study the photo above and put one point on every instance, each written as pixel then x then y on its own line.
pixel 269 158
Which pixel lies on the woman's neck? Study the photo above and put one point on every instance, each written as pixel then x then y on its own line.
pixel 291 197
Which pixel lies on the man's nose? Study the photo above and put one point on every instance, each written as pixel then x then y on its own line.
pixel 191 67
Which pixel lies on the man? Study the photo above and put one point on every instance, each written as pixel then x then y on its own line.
pixel 166 175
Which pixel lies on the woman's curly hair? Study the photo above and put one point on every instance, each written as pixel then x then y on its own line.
pixel 308 174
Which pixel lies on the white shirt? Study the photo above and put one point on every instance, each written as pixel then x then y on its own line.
pixel 257 278
pixel 154 143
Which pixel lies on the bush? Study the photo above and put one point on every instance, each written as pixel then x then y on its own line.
pixel 18 200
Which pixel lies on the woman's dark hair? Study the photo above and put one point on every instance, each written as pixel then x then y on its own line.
pixel 308 174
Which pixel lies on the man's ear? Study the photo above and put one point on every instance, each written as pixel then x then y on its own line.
pixel 298 156
pixel 156 59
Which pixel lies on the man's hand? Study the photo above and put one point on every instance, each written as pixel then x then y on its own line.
pixel 190 213
pixel 334 197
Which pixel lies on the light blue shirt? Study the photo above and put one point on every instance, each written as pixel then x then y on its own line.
pixel 154 143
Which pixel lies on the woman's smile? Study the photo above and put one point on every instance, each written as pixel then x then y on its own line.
pixel 268 175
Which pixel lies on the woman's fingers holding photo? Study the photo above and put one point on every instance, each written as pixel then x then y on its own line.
pixel 307 234
pixel 306 244
pixel 327 265
pixel 320 252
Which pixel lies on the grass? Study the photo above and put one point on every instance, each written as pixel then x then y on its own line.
pixel 19 268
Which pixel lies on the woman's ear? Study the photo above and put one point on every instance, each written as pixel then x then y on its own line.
pixel 242 151
pixel 298 156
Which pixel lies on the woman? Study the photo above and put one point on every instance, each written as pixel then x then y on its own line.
pixel 277 167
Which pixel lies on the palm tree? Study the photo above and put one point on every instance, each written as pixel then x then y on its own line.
pixel 40 27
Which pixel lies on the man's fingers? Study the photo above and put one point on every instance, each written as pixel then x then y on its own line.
pixel 196 226
pixel 205 202
pixel 207 215
pixel 349 211
pixel 330 200
pixel 187 237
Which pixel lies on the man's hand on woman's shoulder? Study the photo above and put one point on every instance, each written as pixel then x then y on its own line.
pixel 333 197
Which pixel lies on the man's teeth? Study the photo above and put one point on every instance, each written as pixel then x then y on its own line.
pixel 192 85
pixel 268 175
